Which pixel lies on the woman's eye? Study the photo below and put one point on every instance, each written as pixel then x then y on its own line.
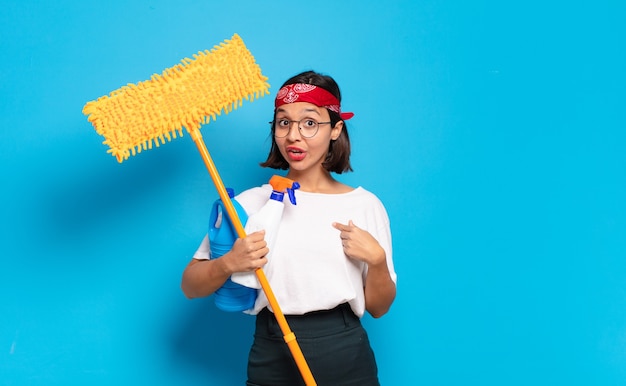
pixel 283 122
pixel 309 123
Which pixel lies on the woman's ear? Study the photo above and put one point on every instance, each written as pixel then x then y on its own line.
pixel 335 132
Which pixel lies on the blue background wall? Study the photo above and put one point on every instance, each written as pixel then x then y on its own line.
pixel 493 131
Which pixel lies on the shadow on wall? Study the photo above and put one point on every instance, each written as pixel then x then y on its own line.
pixel 80 204
pixel 209 344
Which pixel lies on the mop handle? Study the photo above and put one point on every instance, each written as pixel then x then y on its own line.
pixel 289 336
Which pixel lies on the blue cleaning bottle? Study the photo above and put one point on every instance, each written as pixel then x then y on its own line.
pixel 231 296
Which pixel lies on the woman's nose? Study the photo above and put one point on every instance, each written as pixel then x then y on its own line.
pixel 294 130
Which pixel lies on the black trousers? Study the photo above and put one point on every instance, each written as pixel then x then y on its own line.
pixel 333 342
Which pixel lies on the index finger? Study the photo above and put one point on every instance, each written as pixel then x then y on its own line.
pixel 341 227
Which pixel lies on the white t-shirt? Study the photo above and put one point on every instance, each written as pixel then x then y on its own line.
pixel 308 270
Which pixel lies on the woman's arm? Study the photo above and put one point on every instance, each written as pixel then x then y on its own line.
pixel 203 277
pixel 380 290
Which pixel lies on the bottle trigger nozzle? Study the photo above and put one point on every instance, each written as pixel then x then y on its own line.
pixel 291 192
pixel 280 185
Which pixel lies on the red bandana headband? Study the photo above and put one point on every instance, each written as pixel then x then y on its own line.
pixel 302 92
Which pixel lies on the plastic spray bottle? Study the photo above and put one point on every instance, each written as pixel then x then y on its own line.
pixel 231 296
pixel 268 218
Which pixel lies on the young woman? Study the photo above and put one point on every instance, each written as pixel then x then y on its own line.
pixel 332 259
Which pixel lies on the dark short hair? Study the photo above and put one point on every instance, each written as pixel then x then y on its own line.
pixel 338 157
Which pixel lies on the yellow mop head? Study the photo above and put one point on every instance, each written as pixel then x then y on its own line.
pixel 186 95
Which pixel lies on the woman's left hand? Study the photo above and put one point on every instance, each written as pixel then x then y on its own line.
pixel 359 244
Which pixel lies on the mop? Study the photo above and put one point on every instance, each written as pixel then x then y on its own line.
pixel 141 116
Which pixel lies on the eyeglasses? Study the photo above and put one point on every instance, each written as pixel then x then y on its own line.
pixel 307 126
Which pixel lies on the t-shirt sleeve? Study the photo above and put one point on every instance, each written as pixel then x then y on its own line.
pixel 204 251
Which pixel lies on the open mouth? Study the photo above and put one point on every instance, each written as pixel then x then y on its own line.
pixel 296 154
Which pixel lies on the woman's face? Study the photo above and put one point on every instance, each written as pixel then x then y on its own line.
pixel 304 154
